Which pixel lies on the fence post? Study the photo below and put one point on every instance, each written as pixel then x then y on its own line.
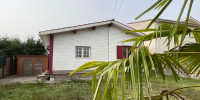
pixel 4 63
pixel 1 65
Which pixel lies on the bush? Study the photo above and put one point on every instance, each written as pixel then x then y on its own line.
pixel 12 47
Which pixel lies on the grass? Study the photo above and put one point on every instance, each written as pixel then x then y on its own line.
pixel 171 84
pixel 74 90
pixel 81 90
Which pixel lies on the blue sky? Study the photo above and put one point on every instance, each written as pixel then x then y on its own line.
pixel 25 18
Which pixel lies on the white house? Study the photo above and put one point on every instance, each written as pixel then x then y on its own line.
pixel 70 47
pixel 158 45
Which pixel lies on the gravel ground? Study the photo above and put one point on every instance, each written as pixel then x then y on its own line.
pixel 18 79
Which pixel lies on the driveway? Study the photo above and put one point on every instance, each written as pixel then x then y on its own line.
pixel 18 79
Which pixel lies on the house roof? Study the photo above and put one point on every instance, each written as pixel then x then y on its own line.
pixel 44 35
pixel 192 21
pixel 89 25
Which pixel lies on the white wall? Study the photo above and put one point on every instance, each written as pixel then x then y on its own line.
pixel 116 35
pixel 65 43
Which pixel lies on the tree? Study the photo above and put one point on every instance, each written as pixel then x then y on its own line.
pixel 1 53
pixel 12 47
pixel 141 63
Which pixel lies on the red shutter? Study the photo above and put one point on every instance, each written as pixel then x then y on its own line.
pixel 119 52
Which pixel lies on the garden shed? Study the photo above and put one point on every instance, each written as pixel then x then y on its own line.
pixel 31 65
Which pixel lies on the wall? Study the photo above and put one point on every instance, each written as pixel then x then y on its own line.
pixel 162 45
pixel 65 43
pixel 158 45
pixel 142 25
pixel 117 35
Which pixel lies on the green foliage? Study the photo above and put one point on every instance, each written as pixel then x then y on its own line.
pixel 1 61
pixel 1 53
pixel 189 56
pixel 45 91
pixel 173 31
pixel 141 63
pixel 164 30
pixel 135 69
pixel 16 47
pixel 81 90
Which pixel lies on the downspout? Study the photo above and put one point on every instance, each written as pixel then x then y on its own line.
pixel 108 41
pixel 157 38
pixel 51 54
pixel 109 25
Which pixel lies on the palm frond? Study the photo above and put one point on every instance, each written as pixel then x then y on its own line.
pixel 150 8
pixel 173 93
pixel 164 30
pixel 186 22
pixel 189 56
pixel 88 66
pixel 161 11
pixel 136 69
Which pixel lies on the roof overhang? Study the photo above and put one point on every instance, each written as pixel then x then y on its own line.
pixel 44 35
pixel 182 22
pixel 173 22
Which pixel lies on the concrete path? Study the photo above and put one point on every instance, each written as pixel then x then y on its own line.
pixel 18 79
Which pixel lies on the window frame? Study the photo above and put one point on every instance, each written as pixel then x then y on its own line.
pixel 127 51
pixel 82 52
pixel 191 35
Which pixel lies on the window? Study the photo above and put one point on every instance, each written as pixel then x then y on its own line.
pixel 191 35
pixel 126 51
pixel 83 52
pixel 123 52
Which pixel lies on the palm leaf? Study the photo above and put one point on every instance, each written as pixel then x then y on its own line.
pixel 189 56
pixel 174 30
pixel 164 30
pixel 173 93
pixel 130 70
pixel 150 8
pixel 87 66
pixel 158 15
pixel 186 22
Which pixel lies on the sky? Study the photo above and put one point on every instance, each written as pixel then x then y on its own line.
pixel 26 18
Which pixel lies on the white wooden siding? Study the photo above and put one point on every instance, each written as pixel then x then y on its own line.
pixel 65 43
pixel 117 35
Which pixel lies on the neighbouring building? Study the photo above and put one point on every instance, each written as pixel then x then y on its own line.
pixel 70 47
pixel 158 45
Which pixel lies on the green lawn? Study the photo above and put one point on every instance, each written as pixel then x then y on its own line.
pixel 81 90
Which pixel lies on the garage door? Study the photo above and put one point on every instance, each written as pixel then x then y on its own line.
pixel 32 66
